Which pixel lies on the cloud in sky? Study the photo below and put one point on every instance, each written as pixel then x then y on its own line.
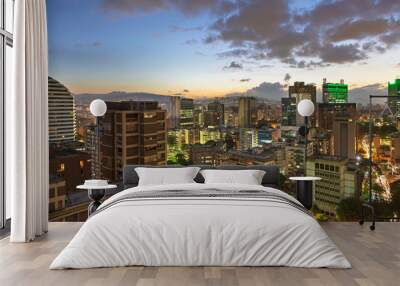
pixel 259 39
pixel 245 79
pixel 187 7
pixel 273 91
pixel 175 28
pixel 331 32
pixel 234 66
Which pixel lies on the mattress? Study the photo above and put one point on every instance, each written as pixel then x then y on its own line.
pixel 201 225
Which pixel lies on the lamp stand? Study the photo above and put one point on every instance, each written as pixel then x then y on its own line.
pixel 98 172
pixel 305 144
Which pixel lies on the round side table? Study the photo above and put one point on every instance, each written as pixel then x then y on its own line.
pixel 95 194
pixel 304 186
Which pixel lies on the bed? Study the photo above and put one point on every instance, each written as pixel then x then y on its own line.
pixel 197 224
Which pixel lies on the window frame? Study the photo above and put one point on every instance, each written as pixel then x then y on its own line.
pixel 6 39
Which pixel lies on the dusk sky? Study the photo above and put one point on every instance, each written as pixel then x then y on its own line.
pixel 218 47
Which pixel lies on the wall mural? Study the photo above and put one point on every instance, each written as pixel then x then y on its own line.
pixel 219 82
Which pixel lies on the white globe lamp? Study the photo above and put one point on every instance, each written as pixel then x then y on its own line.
pixel 98 107
pixel 305 108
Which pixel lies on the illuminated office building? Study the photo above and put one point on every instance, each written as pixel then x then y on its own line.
pixel 214 115
pixel 182 114
pixel 186 119
pixel 288 111
pixel 394 103
pixel 248 138
pixel 334 92
pixel 209 134
pixel 247 112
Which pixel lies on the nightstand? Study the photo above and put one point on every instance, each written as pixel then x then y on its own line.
pixel 95 194
pixel 304 187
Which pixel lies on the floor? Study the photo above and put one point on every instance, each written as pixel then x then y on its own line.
pixel 375 257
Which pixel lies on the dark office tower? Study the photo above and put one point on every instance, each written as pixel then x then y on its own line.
pixel 61 113
pixel 334 92
pixel 186 120
pixel 247 112
pixel 344 137
pixel 133 133
pixel 393 102
pixel 300 91
pixel 175 110
pixel 216 112
pixel 327 113
pixel 338 123
pixel 288 111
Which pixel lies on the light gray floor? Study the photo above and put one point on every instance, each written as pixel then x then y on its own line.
pixel 375 257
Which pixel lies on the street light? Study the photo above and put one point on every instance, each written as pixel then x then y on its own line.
pixel 305 108
pixel 98 108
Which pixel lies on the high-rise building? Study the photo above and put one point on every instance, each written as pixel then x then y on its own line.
pixel 215 114
pixel 91 145
pixel 186 119
pixel 134 132
pixel 337 122
pixel 340 179
pixel 182 112
pixel 334 92
pixel 326 113
pixel 344 137
pixel 294 160
pixel 209 134
pixel 231 116
pixel 71 165
pixel 247 112
pixel 394 102
pixel 175 111
pixel 288 111
pixel 264 135
pixel 211 119
pixel 248 138
pixel 62 122
pixel 298 92
pixel 198 116
pixel 301 91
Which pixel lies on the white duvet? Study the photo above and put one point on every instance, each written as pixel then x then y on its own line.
pixel 202 232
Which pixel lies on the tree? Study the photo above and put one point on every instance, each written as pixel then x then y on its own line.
pixel 181 160
pixel 348 209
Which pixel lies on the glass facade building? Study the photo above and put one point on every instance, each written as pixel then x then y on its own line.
pixel 335 92
pixel 394 103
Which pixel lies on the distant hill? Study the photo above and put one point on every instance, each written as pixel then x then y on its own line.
pixel 165 100
pixel 86 98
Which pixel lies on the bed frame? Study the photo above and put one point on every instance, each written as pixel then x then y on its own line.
pixel 270 179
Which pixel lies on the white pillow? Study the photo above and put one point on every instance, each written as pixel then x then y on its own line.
pixel 248 177
pixel 166 176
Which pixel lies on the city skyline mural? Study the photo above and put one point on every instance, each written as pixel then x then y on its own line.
pixel 219 82
pixel 218 48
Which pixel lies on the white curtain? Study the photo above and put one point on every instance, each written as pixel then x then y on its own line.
pixel 27 124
